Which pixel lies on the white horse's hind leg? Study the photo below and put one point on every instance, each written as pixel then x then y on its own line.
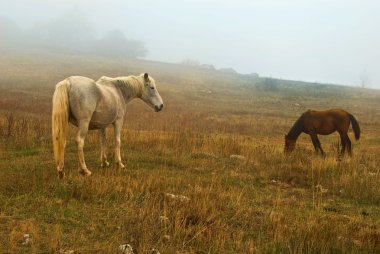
pixel 81 135
pixel 103 144
pixel 117 126
pixel 61 174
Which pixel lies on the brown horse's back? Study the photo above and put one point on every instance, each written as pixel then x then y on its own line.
pixel 325 122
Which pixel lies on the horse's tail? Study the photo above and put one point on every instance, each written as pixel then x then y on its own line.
pixel 60 122
pixel 355 126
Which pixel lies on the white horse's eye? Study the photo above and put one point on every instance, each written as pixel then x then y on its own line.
pixel 152 88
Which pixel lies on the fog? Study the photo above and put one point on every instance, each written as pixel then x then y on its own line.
pixel 332 41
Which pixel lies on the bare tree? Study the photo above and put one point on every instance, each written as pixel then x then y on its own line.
pixel 364 81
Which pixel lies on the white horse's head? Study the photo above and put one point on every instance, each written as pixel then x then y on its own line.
pixel 150 94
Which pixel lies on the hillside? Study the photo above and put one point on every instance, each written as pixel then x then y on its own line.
pixel 263 202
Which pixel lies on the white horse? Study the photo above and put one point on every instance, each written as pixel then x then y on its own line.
pixel 91 105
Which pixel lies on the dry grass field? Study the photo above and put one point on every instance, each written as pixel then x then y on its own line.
pixel 264 202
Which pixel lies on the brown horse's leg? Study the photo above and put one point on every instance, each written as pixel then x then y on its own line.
pixel 319 146
pixel 348 142
pixel 316 143
pixel 343 143
pixel 314 139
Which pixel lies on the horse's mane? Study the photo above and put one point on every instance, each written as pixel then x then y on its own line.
pixel 134 83
pixel 296 128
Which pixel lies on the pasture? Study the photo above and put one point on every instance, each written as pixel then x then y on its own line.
pixel 259 202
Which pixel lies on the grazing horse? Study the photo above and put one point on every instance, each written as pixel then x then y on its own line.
pixel 323 122
pixel 91 105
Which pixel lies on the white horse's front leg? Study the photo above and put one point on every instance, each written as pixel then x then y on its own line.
pixel 81 135
pixel 117 126
pixel 103 145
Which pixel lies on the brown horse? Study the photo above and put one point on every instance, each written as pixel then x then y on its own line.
pixel 323 122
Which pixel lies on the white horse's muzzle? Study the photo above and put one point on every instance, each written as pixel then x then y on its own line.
pixel 158 108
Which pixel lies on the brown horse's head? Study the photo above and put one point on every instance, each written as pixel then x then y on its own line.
pixel 290 144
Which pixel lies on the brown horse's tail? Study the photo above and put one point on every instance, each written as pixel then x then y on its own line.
pixel 355 126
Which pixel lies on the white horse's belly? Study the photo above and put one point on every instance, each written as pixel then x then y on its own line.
pixel 97 126
pixel 101 120
pixel 97 121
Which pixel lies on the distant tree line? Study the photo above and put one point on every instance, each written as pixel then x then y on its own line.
pixel 69 33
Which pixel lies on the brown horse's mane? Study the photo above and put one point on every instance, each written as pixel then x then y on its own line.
pixel 296 129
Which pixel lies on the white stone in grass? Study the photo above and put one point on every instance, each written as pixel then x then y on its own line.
pixel 62 251
pixel 183 198
pixel 26 239
pixel 180 198
pixel 154 251
pixel 163 219
pixel 170 195
pixel 126 249
pixel 321 189
pixel 237 157
pixel 166 237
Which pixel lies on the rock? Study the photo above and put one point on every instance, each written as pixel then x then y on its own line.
pixel 164 219
pixel 237 157
pixel 26 239
pixel 180 198
pixel 183 198
pixel 62 251
pixel 126 249
pixel 170 195
pixel 206 91
pixel 321 189
pixel 166 238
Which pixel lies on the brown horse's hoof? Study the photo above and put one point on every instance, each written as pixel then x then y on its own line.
pixel 61 174
pixel 85 172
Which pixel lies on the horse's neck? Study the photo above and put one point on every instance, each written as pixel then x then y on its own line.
pixel 296 130
pixel 128 91
pixel 294 134
pixel 127 94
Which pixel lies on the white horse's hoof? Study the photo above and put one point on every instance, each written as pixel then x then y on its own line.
pixel 85 172
pixel 120 165
pixel 104 164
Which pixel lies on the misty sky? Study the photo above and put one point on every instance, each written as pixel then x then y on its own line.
pixel 334 41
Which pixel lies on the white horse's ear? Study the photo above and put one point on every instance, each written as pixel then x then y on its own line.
pixel 146 76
